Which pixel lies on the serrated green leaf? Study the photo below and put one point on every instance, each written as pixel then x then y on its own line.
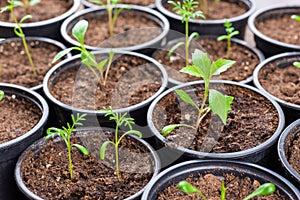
pixel 61 54
pixel 221 65
pixel 1 95
pixel 103 149
pixel 79 30
pixel 81 148
pixel 220 104
pixel 202 61
pixel 186 98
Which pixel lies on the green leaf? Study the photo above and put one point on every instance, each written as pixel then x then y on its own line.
pixel 25 18
pixel 1 95
pixel 169 128
pixel 193 71
pixel 186 98
pixel 61 54
pixel 222 37
pixel 296 64
pixel 221 65
pixel 189 189
pixel 234 33
pixel 176 46
pixel 34 2
pixel 103 149
pixel 264 189
pixel 101 64
pixel 220 104
pixel 79 30
pixel 296 17
pixel 202 61
pixel 81 148
pixel 89 60
pixel 223 191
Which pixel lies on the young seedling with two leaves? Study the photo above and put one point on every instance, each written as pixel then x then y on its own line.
pixel 87 57
pixel 18 30
pixel 264 189
pixel 218 103
pixel 120 120
pixel 230 33
pixel 113 13
pixel 1 95
pixel 187 11
pixel 65 133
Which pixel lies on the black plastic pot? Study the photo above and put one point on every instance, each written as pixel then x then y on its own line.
pixel 63 111
pixel 38 146
pixel 11 150
pixel 48 28
pixel 207 27
pixel 241 169
pixel 284 144
pixel 88 4
pixel 267 45
pixel 146 48
pixel 172 153
pixel 291 111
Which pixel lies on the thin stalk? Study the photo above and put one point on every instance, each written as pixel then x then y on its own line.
pixel 117 153
pixel 110 18
pixel 70 158
pixel 94 62
pixel 228 47
pixel 186 42
pixel 203 103
pixel 107 70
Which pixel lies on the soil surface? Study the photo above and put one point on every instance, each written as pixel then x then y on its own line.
pixel 246 60
pixel 252 120
pixel 128 30
pixel 44 10
pixel 280 27
pixel 14 64
pixel 137 2
pixel 293 150
pixel 130 81
pixel 282 79
pixel 18 116
pixel 210 185
pixel 46 171
pixel 224 9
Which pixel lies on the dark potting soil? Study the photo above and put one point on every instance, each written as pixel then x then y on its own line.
pixel 44 10
pixel 280 27
pixel 293 151
pixel 252 120
pixel 14 64
pixel 210 185
pixel 18 116
pixel 128 30
pixel 282 82
pixel 137 2
pixel 246 60
pixel 224 9
pixel 130 81
pixel 46 171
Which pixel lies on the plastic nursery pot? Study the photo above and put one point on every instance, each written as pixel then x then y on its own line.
pixel 268 45
pixel 88 4
pixel 132 36
pixel 181 171
pixel 133 153
pixel 217 140
pixel 49 28
pixel 264 71
pixel 133 77
pixel 208 27
pixel 11 150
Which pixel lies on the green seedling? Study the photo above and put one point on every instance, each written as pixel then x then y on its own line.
pixel 1 95
pixel 296 17
pixel 218 103
pixel 113 13
pixel 120 120
pixel 18 30
pixel 65 133
pixel 87 57
pixel 296 64
pixel 265 189
pixel 230 33
pixel 187 11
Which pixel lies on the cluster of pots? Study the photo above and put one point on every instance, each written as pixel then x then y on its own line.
pixel 273 120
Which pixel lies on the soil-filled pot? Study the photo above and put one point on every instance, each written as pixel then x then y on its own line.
pixel 23 116
pixel 15 67
pixel 137 29
pixel 237 12
pixel 42 171
pixel 47 17
pixel 288 151
pixel 133 82
pixel 252 128
pixel 280 79
pixel 240 179
pixel 274 30
pixel 246 57
pixel 148 3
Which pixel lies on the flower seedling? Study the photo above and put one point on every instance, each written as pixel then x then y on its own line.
pixel 120 120
pixel 1 95
pixel 218 103
pixel 264 189
pixel 230 33
pixel 187 11
pixel 65 133
pixel 18 30
pixel 87 57
pixel 112 15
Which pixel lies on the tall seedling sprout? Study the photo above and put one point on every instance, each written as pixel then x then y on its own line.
pixel 187 11
pixel 120 120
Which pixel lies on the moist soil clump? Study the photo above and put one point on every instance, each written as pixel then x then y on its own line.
pixel 18 116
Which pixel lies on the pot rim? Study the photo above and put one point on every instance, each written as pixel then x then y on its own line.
pixel 165 27
pixel 73 9
pixel 256 32
pixel 260 87
pixel 43 106
pixel 87 4
pixel 233 155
